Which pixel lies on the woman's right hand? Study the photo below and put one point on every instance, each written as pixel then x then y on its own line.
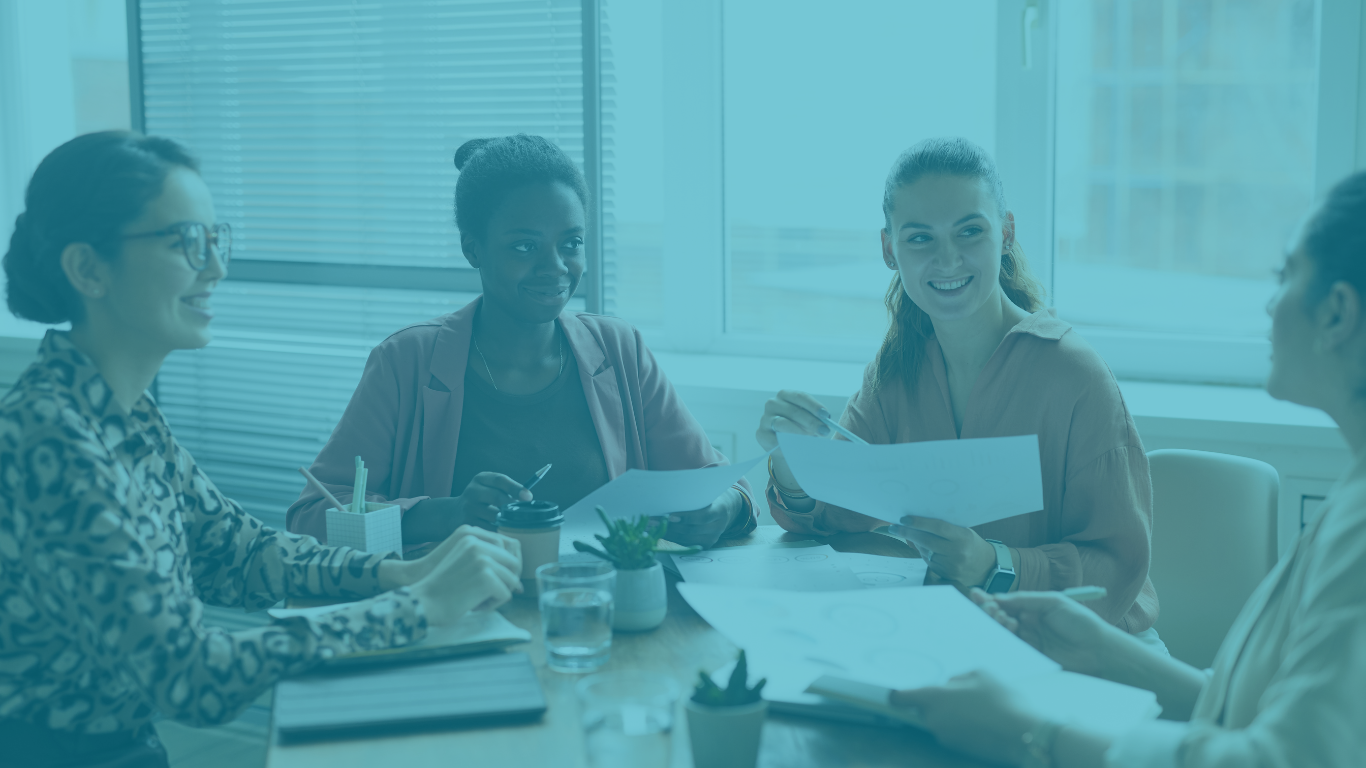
pixel 435 519
pixel 1059 627
pixel 475 569
pixel 794 412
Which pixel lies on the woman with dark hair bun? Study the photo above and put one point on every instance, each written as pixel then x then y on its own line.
pixel 111 538
pixel 972 352
pixel 453 412
pixel 1286 688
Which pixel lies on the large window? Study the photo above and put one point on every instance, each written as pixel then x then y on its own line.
pixel 1156 153
pixel 1189 155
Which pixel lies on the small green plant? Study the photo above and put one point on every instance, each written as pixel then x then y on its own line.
pixel 737 692
pixel 629 545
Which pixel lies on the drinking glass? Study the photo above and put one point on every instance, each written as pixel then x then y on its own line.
pixel 576 613
pixel 627 718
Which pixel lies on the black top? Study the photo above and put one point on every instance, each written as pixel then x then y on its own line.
pixel 516 435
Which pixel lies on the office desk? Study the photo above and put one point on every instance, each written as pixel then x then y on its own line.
pixel 680 647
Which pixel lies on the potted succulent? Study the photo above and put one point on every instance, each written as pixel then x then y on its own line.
pixel 640 600
pixel 725 724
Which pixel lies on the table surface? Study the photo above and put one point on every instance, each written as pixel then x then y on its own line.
pixel 678 648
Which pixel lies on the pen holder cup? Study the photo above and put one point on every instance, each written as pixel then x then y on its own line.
pixel 378 531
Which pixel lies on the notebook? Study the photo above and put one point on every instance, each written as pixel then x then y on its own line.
pixel 475 632
pixel 483 690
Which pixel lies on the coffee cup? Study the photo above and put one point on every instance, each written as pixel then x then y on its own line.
pixel 536 524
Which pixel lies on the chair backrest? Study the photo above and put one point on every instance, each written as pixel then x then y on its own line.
pixel 1214 540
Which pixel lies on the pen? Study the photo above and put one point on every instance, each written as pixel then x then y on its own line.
pixel 1084 594
pixel 540 473
pixel 831 423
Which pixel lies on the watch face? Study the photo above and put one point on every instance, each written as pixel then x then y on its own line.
pixel 1000 582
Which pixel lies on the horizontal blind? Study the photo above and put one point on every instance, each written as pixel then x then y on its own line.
pixel 326 132
pixel 327 129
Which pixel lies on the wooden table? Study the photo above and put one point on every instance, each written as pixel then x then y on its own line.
pixel 680 647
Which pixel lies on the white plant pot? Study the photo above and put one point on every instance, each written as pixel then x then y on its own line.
pixel 640 600
pixel 726 737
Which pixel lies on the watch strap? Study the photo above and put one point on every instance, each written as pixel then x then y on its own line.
pixel 1002 577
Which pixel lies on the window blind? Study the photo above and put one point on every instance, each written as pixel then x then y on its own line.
pixel 326 131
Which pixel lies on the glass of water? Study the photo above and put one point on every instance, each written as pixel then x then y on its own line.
pixel 576 613
pixel 627 717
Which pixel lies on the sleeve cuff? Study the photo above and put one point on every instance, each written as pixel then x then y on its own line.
pixel 391 620
pixel 1154 744
pixel 1034 574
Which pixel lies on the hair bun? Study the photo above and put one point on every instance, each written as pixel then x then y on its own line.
pixel 467 150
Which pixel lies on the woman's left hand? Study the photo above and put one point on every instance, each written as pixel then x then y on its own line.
pixel 974 714
pixel 954 553
pixel 702 527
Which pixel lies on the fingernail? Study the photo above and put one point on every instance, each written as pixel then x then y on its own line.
pixel 825 414
pixel 825 431
pixel 526 495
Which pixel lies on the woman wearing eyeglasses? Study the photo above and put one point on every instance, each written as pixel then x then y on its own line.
pixel 111 538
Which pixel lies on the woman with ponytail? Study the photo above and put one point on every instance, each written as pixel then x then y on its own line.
pixel 972 352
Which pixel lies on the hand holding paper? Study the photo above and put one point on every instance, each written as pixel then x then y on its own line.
pixel 964 482
pixel 650 492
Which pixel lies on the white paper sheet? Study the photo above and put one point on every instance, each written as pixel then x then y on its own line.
pixel 964 482
pixel 798 569
pixel 649 492
pixel 899 638
pixel 879 571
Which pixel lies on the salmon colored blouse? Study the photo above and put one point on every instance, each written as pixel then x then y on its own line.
pixel 1095 527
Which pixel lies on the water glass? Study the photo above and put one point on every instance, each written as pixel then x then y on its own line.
pixel 627 719
pixel 576 613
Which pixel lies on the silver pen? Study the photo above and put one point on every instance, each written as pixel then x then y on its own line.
pixel 850 436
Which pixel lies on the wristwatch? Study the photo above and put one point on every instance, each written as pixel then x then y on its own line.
pixel 1002 577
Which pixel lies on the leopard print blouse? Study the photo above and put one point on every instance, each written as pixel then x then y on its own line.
pixel 112 540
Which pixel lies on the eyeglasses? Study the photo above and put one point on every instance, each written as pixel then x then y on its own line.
pixel 195 241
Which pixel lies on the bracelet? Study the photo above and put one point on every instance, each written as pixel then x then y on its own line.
pixel 779 488
pixel 747 513
pixel 1038 744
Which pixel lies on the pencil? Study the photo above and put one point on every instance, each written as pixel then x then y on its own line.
pixel 358 488
pixel 313 481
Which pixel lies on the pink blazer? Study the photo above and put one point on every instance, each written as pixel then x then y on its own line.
pixel 404 417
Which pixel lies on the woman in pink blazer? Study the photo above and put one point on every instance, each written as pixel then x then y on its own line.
pixel 451 413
